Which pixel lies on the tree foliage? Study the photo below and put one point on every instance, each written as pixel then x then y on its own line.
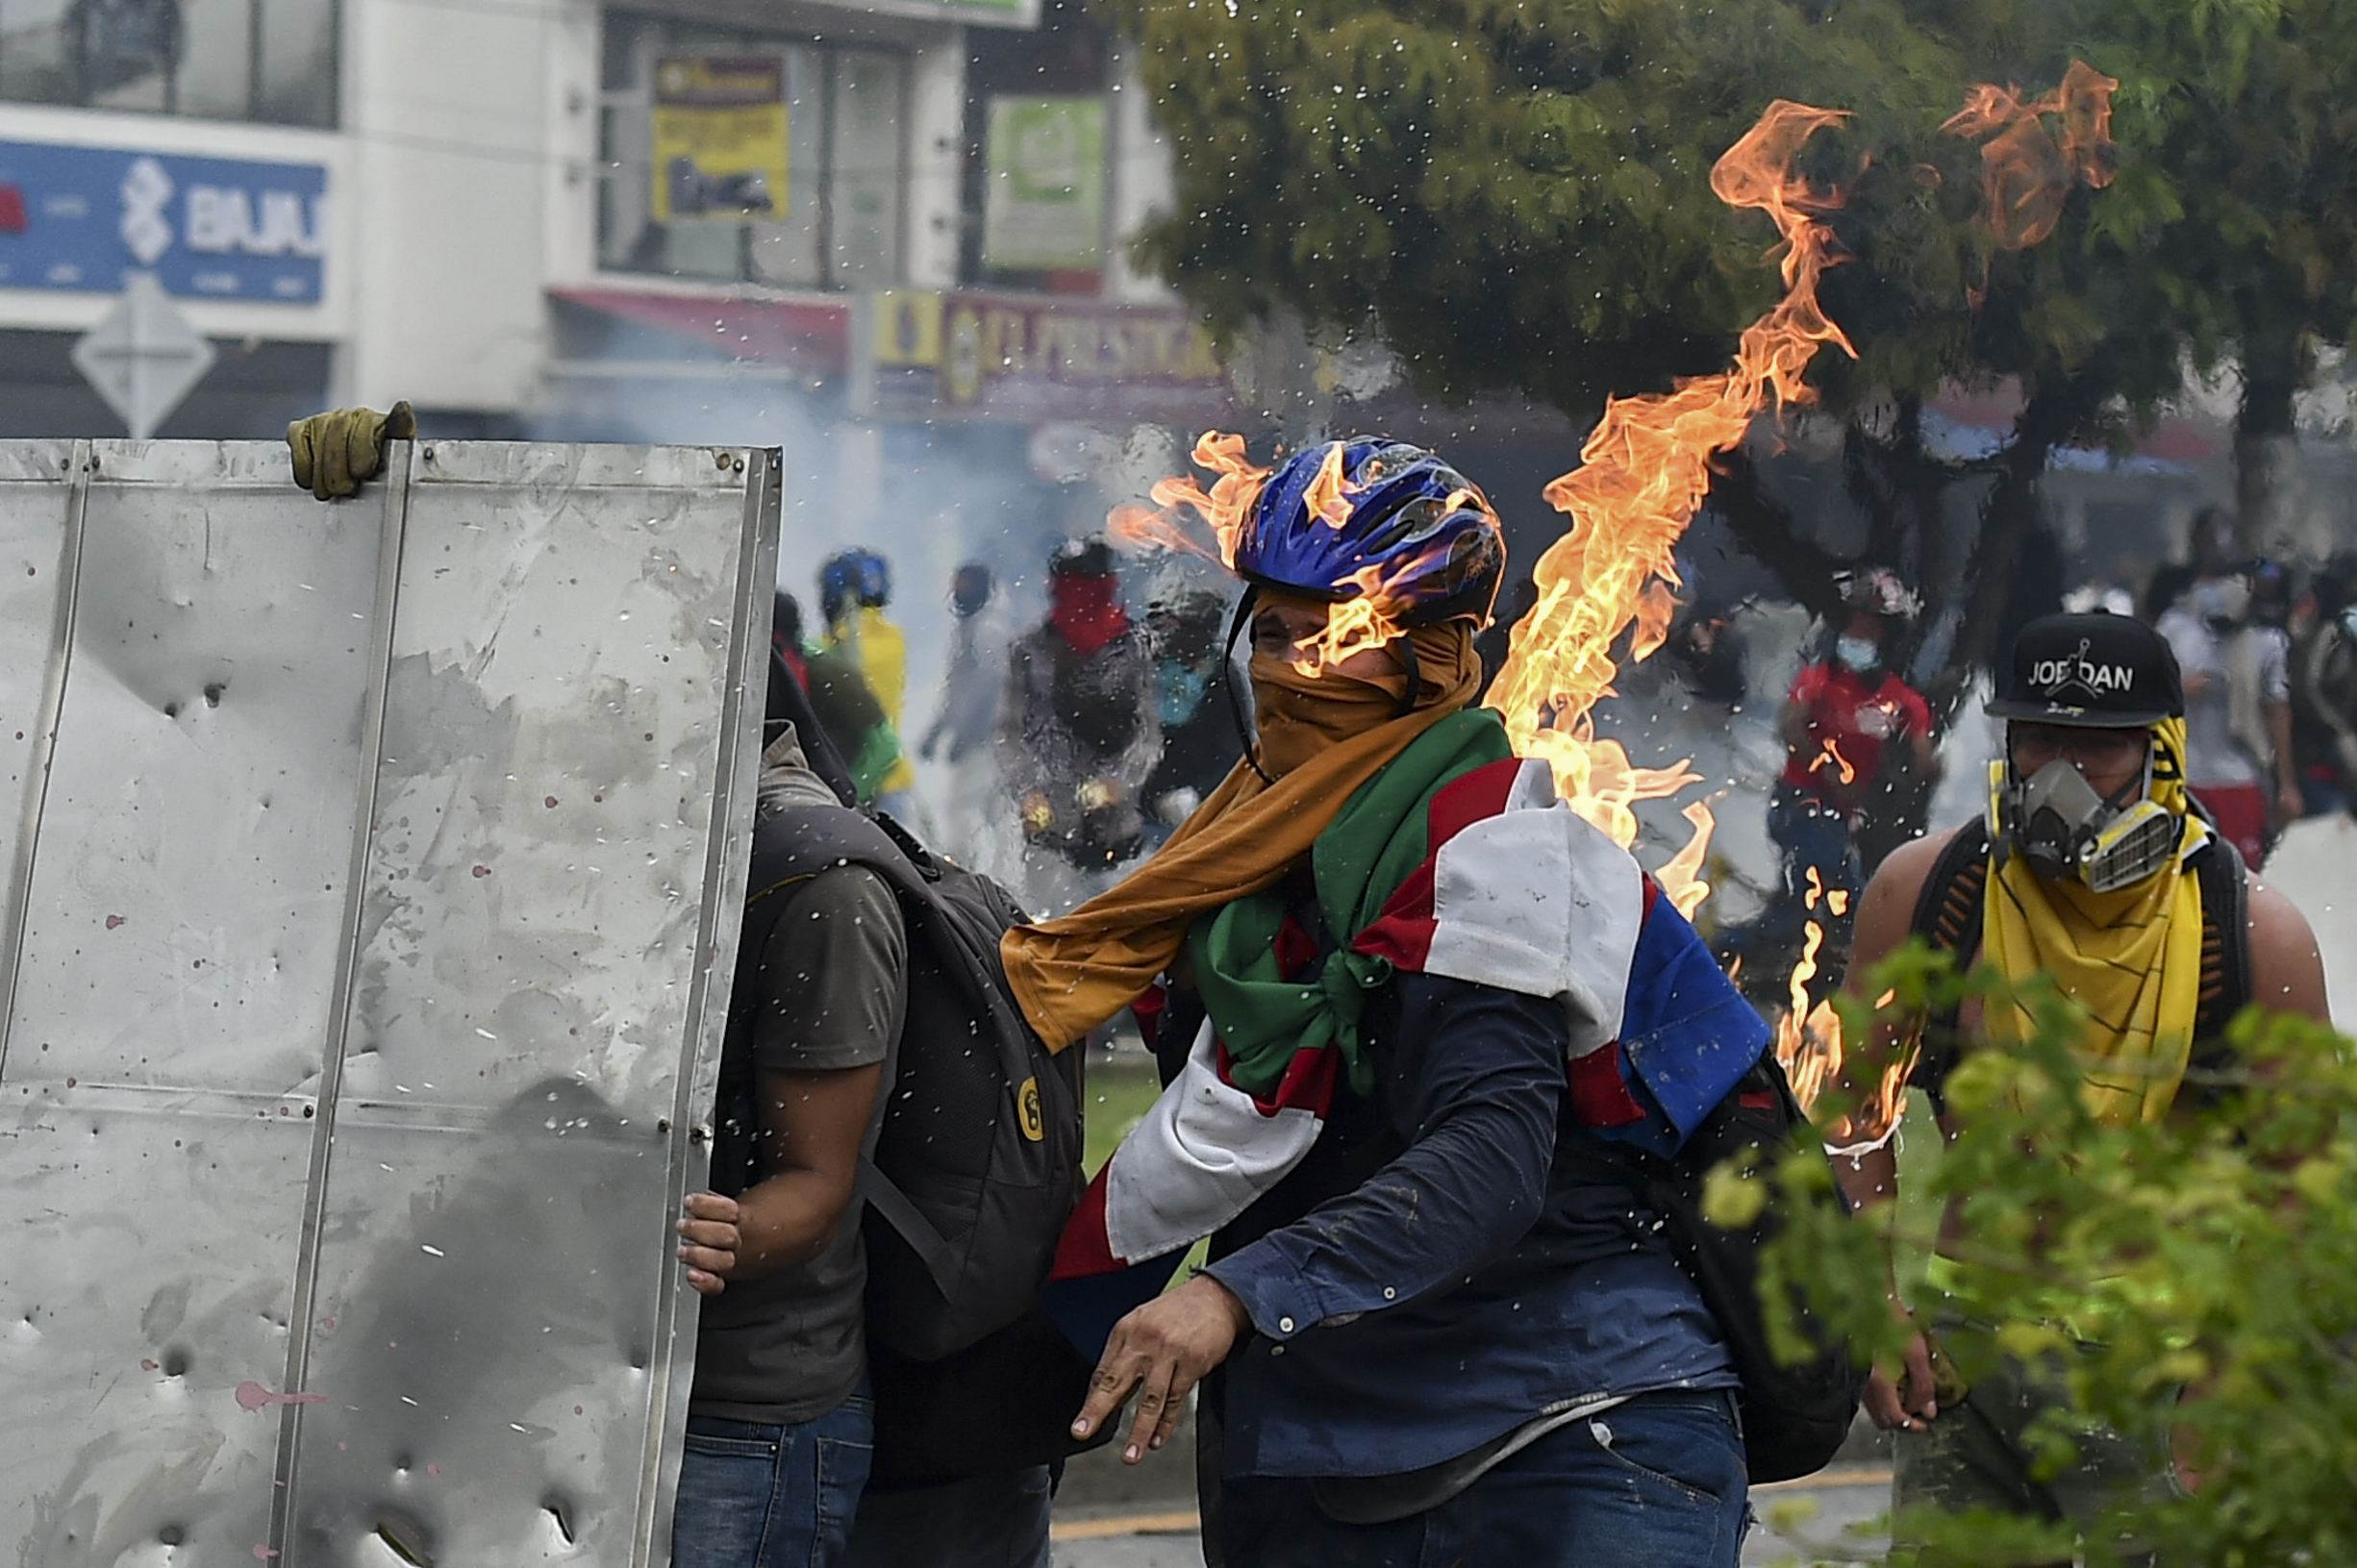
pixel 1513 193
pixel 2194 1281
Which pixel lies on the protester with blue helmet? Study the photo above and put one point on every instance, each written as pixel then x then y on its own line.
pixel 854 585
pixel 1389 975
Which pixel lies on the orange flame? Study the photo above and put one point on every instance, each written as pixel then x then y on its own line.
pixel 2027 173
pixel 1809 1039
pixel 1808 1045
pixel 1352 625
pixel 1222 508
pixel 1643 471
pixel 1328 497
pixel 1833 753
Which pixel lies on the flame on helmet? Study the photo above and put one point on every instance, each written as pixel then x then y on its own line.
pixel 1355 624
pixel 1220 511
pixel 1328 497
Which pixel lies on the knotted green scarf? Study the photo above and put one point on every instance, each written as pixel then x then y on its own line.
pixel 1373 843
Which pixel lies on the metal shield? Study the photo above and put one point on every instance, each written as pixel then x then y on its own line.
pixel 373 875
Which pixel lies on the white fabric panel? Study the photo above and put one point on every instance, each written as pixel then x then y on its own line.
pixel 1537 900
pixel 1200 1158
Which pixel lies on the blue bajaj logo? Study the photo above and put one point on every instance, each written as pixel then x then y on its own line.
pixel 81 217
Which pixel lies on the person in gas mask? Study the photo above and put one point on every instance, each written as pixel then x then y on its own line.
pixel 1844 711
pixel 2094 870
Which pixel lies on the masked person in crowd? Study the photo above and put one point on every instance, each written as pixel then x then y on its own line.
pixel 961 733
pixel 1398 971
pixel 1201 716
pixel 853 589
pixel 1843 713
pixel 2324 694
pixel 1079 729
pixel 2091 870
pixel 849 712
pixel 2238 694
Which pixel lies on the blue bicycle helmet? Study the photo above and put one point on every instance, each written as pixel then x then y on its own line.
pixel 853 576
pixel 1427 530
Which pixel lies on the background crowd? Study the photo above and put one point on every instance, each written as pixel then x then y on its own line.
pixel 1056 755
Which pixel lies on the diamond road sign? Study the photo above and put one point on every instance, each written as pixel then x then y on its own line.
pixel 144 356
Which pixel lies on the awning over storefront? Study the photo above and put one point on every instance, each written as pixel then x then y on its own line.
pixel 808 337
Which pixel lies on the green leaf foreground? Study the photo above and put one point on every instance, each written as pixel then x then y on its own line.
pixel 2194 1279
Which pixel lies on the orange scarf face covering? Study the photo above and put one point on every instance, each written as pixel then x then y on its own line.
pixel 1321 737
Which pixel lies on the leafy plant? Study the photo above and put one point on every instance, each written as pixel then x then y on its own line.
pixel 2194 1280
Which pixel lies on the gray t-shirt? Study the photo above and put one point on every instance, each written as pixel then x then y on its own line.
pixel 790 1346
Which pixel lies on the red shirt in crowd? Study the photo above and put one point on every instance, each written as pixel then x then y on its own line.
pixel 1851 719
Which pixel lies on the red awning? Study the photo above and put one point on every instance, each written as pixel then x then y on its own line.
pixel 795 334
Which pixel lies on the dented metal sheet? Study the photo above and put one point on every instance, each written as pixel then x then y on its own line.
pixel 369 923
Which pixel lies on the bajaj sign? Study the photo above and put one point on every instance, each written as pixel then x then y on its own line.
pixel 81 217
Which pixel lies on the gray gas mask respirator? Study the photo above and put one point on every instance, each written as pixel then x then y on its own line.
pixel 2055 820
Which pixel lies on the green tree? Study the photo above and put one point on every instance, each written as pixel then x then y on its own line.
pixel 2205 1267
pixel 1514 195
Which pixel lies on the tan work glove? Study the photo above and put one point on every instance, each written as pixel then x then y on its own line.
pixel 335 451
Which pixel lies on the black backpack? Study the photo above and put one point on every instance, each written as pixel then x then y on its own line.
pixel 976 1167
pixel 1794 1417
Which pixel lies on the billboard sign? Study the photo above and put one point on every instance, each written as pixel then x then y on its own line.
pixel 720 138
pixel 1044 210
pixel 85 219
pixel 918 354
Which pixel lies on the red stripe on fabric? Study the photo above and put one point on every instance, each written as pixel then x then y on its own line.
pixel 1654 891
pixel 1151 1003
pixel 1403 933
pixel 1599 1096
pixel 1295 950
pixel 1082 1249
pixel 1308 1083
pixel 1465 801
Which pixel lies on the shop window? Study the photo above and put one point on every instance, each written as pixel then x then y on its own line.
pixel 742 158
pixel 231 59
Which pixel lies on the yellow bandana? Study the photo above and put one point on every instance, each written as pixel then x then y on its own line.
pixel 2131 960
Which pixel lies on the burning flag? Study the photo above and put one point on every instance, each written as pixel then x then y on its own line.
pixel 1643 471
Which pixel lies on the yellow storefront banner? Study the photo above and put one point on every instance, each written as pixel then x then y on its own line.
pixel 719 136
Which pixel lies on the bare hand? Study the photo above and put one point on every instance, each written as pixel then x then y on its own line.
pixel 1163 1349
pixel 2290 806
pixel 1906 1402
pixel 708 1244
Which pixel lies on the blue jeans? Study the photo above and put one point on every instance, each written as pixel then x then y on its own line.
pixel 754 1496
pixel 1647 1484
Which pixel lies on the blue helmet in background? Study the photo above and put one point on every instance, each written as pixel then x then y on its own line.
pixel 1428 533
pixel 853 576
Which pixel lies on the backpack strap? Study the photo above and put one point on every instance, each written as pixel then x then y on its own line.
pixel 1947 911
pixel 805 840
pixel 2224 881
pixel 1947 915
